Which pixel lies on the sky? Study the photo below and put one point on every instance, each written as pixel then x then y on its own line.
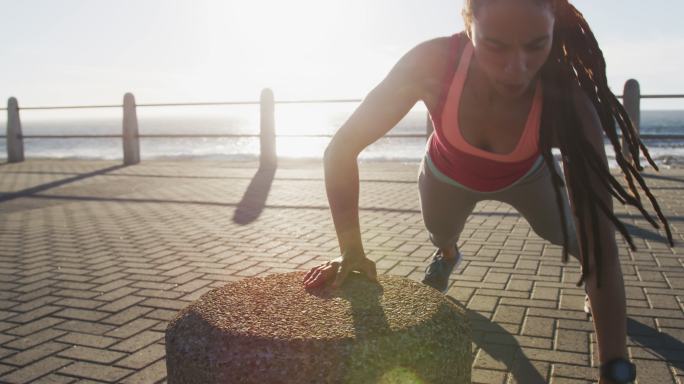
pixel 76 52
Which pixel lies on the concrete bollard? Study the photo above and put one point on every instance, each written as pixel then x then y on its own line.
pixel 131 141
pixel 632 103
pixel 268 157
pixel 15 140
pixel 272 330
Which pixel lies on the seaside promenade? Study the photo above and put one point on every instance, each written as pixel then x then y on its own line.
pixel 96 257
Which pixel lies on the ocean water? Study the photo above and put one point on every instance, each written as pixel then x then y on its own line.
pixel 291 120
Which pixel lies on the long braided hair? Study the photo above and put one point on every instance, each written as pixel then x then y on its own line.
pixel 576 59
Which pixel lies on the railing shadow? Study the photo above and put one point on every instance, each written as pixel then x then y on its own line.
pixel 662 177
pixel 665 346
pixel 58 183
pixel 146 175
pixel 254 199
pixel 517 363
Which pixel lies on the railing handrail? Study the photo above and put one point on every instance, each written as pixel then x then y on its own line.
pixel 220 103
pixel 647 136
pixel 204 135
pixel 189 104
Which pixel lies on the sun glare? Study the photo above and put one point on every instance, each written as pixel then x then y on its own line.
pixel 294 47
pixel 276 43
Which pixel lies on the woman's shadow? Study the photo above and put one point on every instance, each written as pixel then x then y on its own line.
pixel 664 346
pixel 507 350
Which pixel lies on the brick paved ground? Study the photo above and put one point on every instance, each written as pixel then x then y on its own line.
pixel 96 257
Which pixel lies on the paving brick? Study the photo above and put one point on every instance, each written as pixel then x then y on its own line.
pixel 524 371
pixel 157 293
pixel 95 355
pixel 87 340
pixel 84 327
pixel 190 297
pixel 95 371
pixel 116 294
pixel 161 314
pixel 37 302
pixel 54 378
pixel 126 315
pixel 653 371
pixel 130 329
pixel 192 285
pixel 556 356
pixel 5 368
pixel 74 293
pixel 165 304
pixel 487 376
pixel 493 357
pixel 34 314
pixel 111 282
pixel 151 374
pixel 34 339
pixel 143 357
pixel 36 353
pixel 483 303
pixel 121 304
pixel 34 326
pixel 572 341
pixel 538 326
pixel 545 293
pixel 138 341
pixel 81 314
pixel 35 370
pixel 79 303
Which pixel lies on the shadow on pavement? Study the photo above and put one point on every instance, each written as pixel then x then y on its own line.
pixel 664 346
pixel 58 183
pixel 254 199
pixel 506 349
pixel 662 177
pixel 642 233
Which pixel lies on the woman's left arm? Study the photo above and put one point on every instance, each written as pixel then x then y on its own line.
pixel 608 302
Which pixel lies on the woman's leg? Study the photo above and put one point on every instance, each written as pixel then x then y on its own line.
pixel 445 209
pixel 535 198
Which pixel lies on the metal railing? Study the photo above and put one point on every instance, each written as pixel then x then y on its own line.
pixel 130 135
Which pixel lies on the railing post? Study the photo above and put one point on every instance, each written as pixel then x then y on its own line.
pixel 429 128
pixel 632 103
pixel 131 141
pixel 268 157
pixel 15 140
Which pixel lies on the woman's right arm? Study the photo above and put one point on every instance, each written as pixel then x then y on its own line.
pixel 379 112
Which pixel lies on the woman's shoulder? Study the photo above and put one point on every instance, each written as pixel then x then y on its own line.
pixel 428 61
pixel 435 53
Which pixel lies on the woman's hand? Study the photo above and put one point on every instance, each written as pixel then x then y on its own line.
pixel 338 269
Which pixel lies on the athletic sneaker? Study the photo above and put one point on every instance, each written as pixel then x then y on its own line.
pixel 438 272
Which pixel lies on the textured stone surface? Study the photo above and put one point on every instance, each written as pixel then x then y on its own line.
pixel 266 329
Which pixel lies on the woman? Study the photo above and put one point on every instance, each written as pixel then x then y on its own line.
pixel 526 76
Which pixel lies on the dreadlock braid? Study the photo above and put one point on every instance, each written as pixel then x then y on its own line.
pixel 576 60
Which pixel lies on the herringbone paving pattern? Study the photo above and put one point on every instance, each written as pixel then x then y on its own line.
pixel 96 257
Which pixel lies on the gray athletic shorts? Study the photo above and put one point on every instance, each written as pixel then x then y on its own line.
pixel 446 204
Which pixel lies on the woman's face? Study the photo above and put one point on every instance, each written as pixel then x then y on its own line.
pixel 512 41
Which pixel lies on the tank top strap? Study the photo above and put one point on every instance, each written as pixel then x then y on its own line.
pixel 457 43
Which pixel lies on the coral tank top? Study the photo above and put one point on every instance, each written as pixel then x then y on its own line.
pixel 451 156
